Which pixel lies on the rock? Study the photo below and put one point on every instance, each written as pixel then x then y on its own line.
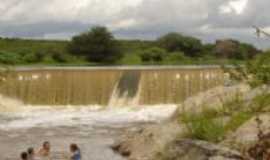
pixel 247 134
pixel 198 150
pixel 122 149
pixel 213 98
pixel 255 92
pixel 146 143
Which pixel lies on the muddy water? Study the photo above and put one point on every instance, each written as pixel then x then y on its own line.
pixel 94 145
pixel 94 130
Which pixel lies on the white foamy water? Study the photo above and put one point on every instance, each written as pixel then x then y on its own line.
pixel 87 116
pixel 94 128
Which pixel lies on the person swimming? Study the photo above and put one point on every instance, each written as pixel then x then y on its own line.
pixel 44 152
pixel 31 153
pixel 75 151
pixel 24 156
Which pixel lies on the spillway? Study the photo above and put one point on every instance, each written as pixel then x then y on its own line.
pixel 109 86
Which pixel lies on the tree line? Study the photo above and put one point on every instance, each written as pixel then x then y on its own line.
pixel 99 46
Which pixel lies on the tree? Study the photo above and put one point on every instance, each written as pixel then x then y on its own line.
pixel 97 45
pixel 208 50
pixel 249 50
pixel 174 42
pixel 234 49
pixel 226 48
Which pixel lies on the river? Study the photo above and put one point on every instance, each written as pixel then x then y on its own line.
pixel 92 107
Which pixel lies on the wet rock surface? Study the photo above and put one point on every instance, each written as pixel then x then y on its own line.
pixel 198 150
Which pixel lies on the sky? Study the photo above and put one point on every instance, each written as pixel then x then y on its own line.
pixel 208 20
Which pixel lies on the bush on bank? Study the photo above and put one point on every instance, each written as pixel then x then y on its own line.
pixel 153 55
pixel 213 124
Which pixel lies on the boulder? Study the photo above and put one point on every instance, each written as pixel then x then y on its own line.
pixel 247 134
pixel 198 150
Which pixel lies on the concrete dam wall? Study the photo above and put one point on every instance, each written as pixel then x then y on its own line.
pixel 109 86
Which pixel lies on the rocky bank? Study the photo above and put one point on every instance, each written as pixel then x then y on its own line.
pixel 162 141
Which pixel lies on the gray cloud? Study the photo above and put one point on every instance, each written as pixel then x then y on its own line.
pixel 144 19
pixel 41 29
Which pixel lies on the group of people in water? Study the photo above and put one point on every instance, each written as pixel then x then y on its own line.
pixel 44 153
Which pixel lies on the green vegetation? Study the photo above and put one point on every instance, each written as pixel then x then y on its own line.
pixel 214 123
pixel 153 55
pixel 255 72
pixel 173 42
pixel 98 46
pixel 258 70
pixel 22 52
pixel 203 127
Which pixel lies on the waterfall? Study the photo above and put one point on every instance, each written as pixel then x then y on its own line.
pixel 127 91
pixel 114 87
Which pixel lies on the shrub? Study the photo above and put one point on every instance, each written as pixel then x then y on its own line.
pixel 213 123
pixel 236 120
pixel 260 103
pixel 154 54
pixel 131 59
pixel 259 70
pixel 40 56
pixel 60 57
pixel 9 58
pixel 33 57
pixel 255 72
pixel 176 58
pixel 200 126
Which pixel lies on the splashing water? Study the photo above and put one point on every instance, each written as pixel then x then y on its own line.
pixel 14 115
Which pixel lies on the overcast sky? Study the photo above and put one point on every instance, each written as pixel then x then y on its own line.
pixel 136 19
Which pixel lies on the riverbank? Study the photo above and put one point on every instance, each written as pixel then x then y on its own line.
pixel 247 139
pixel 153 140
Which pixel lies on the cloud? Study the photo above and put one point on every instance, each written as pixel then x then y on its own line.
pixel 146 19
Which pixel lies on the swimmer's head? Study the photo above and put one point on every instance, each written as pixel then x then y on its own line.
pixel 24 156
pixel 74 147
pixel 30 151
pixel 46 145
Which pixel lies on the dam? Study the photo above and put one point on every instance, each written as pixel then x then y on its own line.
pixel 91 106
pixel 109 86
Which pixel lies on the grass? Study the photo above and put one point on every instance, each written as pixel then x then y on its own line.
pixel 237 120
pixel 203 127
pixel 260 103
pixel 213 124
